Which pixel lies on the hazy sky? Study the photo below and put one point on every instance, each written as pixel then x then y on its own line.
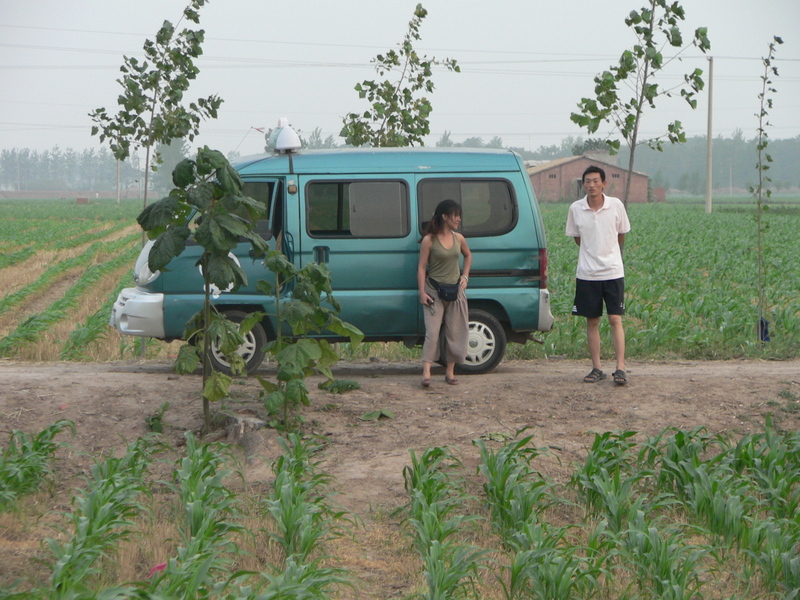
pixel 525 64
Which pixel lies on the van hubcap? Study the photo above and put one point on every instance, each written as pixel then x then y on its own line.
pixel 480 344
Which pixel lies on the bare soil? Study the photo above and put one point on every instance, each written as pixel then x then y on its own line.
pixel 109 402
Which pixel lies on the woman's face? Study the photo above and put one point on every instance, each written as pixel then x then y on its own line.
pixel 453 221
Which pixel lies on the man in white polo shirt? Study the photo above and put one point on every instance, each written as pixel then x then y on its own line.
pixel 599 224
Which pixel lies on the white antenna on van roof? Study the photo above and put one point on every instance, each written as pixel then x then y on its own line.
pixel 287 140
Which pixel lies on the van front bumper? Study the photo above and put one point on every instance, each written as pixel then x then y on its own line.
pixel 138 313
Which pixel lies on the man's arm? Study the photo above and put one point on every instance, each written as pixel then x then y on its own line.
pixel 578 240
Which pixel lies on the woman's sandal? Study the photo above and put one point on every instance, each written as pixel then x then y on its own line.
pixel 449 381
pixel 619 377
pixel 594 376
pixel 426 382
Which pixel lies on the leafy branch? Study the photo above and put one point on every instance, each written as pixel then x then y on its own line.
pixel 152 109
pixel 397 115
pixel 656 27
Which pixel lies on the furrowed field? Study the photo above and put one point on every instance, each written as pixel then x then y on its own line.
pixel 692 284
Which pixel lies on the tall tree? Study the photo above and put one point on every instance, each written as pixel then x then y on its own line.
pixel 656 27
pixel 152 108
pixel 397 115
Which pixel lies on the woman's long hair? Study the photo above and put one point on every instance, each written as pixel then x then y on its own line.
pixel 445 207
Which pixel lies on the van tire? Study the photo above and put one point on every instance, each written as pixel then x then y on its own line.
pixel 252 350
pixel 486 344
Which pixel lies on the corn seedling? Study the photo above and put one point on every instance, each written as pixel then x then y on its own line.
pixel 664 565
pixel 515 493
pixel 27 460
pixel 102 516
pixel 450 568
pixel 203 559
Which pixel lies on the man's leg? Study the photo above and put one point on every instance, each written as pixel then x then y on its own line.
pixel 618 336
pixel 593 336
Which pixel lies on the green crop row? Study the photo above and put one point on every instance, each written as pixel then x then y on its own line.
pixel 30 329
pixel 69 210
pixel 296 514
pixel 93 328
pixel 54 272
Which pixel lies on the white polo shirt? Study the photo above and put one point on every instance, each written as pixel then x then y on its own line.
pixel 600 257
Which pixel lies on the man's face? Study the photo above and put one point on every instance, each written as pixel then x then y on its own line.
pixel 593 184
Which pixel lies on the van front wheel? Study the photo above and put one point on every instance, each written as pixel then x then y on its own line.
pixel 251 351
pixel 486 343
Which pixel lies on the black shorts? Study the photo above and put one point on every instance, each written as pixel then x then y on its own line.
pixel 590 296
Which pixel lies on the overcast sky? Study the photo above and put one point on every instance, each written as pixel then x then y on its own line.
pixel 525 64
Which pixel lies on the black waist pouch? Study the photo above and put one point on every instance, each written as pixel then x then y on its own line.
pixel 448 292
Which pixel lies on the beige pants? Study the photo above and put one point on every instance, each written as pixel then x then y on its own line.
pixel 455 316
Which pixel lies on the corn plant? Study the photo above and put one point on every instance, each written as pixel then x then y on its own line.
pixel 664 565
pixel 516 494
pixel 101 518
pixel 774 553
pixel 27 460
pixel 202 561
pixel 450 568
pixel 299 501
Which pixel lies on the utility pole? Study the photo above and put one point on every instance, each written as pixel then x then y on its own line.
pixel 709 134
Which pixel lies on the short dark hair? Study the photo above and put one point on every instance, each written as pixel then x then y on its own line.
pixel 594 169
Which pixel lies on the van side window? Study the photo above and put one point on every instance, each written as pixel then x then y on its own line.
pixel 359 209
pixel 489 205
pixel 261 191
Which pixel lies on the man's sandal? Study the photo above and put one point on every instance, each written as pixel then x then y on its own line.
pixel 619 377
pixel 594 376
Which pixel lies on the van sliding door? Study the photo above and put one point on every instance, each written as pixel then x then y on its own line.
pixel 361 229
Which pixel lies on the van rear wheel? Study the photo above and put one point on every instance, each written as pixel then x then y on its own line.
pixel 486 344
pixel 251 351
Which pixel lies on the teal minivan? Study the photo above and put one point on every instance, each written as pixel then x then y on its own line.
pixel 362 212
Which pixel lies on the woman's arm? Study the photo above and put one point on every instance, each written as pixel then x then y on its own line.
pixel 422 267
pixel 467 261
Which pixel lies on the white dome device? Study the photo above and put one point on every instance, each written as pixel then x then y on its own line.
pixel 286 138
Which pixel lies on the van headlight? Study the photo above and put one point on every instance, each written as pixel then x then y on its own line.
pixel 142 275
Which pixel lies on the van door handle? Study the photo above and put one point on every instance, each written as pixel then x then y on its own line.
pixel 322 254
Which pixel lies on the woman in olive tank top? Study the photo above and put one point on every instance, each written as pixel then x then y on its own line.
pixel 440 251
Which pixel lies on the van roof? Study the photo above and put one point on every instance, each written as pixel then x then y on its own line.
pixel 382 160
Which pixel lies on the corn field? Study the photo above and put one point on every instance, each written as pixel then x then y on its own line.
pixel 691 283
pixel 682 514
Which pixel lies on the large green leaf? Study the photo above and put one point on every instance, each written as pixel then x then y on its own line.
pixel 345 329
pixel 188 359
pixel 296 359
pixel 216 386
pixel 234 225
pixel 214 238
pixel 167 246
pixel 183 174
pixel 200 196
pixel 297 392
pixel 159 214
pixel 223 272
pixel 226 334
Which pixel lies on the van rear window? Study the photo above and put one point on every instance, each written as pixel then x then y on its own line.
pixel 359 209
pixel 488 206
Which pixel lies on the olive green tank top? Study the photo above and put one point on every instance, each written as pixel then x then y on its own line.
pixel 443 262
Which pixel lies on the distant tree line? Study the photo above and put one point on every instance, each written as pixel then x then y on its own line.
pixel 22 169
pixel 681 166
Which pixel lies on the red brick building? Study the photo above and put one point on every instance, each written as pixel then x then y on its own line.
pixel 560 180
